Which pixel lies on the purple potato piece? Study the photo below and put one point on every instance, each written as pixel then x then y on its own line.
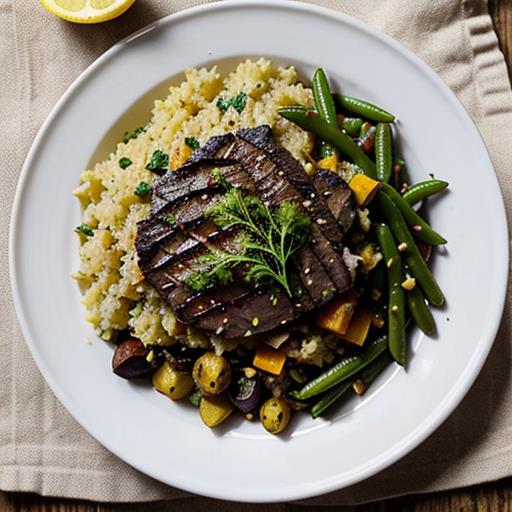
pixel 245 393
pixel 129 361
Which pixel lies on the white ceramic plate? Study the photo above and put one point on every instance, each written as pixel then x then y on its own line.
pixel 167 440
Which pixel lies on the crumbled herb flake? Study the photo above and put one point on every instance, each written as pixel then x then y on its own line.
pixel 170 219
pixel 84 229
pixel 133 134
pixel 219 179
pixel 124 162
pixel 238 102
pixel 192 143
pixel 143 189
pixel 159 161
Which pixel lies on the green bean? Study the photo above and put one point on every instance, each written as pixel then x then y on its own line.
pixel 383 152
pixel 370 373
pixel 314 123
pixel 396 298
pixel 399 174
pixel 364 109
pixel 420 311
pixel 323 99
pixel 352 125
pixel 420 228
pixel 329 398
pixel 419 191
pixel 344 369
pixel 415 262
pixel 324 105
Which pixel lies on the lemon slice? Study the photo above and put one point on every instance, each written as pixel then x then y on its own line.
pixel 87 11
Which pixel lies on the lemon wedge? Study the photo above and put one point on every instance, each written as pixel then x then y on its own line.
pixel 87 11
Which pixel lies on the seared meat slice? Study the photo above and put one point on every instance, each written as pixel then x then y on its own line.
pixel 338 197
pixel 253 314
pixel 177 232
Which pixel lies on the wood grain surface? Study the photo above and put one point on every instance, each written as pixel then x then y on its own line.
pixel 492 497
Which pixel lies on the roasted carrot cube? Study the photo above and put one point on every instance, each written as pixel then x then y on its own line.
pixel 329 162
pixel 269 359
pixel 364 188
pixel 337 314
pixel 357 331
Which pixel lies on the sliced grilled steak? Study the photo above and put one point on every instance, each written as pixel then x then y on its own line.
pixel 177 232
pixel 338 197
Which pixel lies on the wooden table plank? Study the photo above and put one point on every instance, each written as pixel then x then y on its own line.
pixel 492 497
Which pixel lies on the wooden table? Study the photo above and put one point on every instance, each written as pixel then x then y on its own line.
pixel 492 497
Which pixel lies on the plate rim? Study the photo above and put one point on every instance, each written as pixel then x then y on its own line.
pixel 475 363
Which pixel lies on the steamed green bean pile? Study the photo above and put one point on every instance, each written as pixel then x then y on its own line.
pixel 400 289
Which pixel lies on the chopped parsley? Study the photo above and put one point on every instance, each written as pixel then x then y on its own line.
pixel 143 189
pixel 266 241
pixel 124 162
pixel 84 229
pixel 219 179
pixel 192 143
pixel 170 219
pixel 133 134
pixel 237 102
pixel 159 161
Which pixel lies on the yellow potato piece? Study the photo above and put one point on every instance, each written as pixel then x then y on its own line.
pixel 214 410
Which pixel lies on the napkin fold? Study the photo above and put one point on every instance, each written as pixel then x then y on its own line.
pixel 43 450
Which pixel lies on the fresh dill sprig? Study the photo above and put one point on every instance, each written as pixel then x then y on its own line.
pixel 266 240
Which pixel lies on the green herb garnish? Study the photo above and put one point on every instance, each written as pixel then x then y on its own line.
pixel 265 243
pixel 192 143
pixel 219 179
pixel 159 161
pixel 170 219
pixel 124 162
pixel 238 102
pixel 143 189
pixel 84 229
pixel 133 134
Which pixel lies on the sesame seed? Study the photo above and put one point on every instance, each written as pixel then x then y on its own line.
pixel 417 228
pixel 312 195
pixel 225 321
pixel 394 308
pixel 298 305
pixel 204 197
pixel 389 262
pixel 403 247
pixel 327 193
pixel 280 173
pixel 219 330
pixel 321 221
pixel 331 260
pixel 200 307
pixel 248 333
pixel 307 203
pixel 309 282
pixel 283 322
pixel 307 270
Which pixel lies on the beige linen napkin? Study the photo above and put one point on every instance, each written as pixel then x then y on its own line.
pixel 42 449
